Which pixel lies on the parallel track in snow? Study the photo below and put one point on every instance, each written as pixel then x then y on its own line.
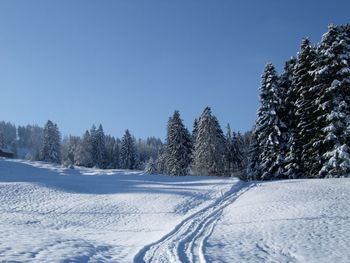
pixel 186 243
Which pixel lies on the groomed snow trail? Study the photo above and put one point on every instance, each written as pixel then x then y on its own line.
pixel 186 243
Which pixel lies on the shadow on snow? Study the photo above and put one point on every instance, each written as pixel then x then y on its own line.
pixel 97 181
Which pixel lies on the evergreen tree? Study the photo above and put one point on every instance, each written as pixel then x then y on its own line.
pixel 237 145
pixel 147 149
pixel 287 94
pixel 209 150
pixel 229 151
pixel 253 167
pixel 287 115
pixel 269 129
pixel 51 150
pixel 300 161
pixel 2 140
pixel 116 154
pixel 99 148
pixel 178 146
pixel 8 137
pixel 233 153
pixel 94 145
pixel 332 76
pixel 127 152
pixel 194 131
pixel 30 139
pixel 109 153
pixel 244 142
pixel 73 144
pixel 161 162
pixel 151 166
pixel 83 156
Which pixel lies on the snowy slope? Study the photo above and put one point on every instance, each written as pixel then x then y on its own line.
pixel 285 221
pixel 52 214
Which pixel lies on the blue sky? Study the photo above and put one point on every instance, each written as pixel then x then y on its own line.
pixel 130 64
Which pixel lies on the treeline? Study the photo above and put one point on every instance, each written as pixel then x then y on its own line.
pixel 204 151
pixel 303 123
pixel 93 149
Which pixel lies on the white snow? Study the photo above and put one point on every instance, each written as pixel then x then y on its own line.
pixel 52 214
pixel 285 221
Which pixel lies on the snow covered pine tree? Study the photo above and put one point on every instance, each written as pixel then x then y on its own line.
pixel 209 149
pixel 178 146
pixel 332 77
pixel 127 152
pixel 269 129
pixel 51 149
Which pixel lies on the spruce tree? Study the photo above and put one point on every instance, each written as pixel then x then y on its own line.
pixel 51 149
pixel 116 154
pixel 151 166
pixel 332 76
pixel 194 131
pixel 178 146
pixel 83 156
pixel 127 152
pixel 233 153
pixel 209 150
pixel 229 151
pixel 300 160
pixel 254 159
pixel 73 145
pixel 100 148
pixel 109 154
pixel 238 162
pixel 161 162
pixel 269 129
pixel 94 145
pixel 287 115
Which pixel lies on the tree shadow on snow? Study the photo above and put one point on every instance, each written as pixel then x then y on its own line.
pixel 97 181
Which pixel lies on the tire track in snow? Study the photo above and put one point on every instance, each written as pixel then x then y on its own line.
pixel 187 241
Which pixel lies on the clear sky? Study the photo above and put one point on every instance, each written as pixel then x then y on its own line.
pixel 130 64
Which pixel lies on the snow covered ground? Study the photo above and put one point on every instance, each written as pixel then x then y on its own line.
pixel 52 214
pixel 285 221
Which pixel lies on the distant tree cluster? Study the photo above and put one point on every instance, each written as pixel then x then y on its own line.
pixel 23 141
pixel 303 123
pixel 207 151
pixel 93 149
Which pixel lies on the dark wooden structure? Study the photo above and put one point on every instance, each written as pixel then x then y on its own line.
pixel 6 154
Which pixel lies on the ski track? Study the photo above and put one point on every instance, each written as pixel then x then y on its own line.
pixel 186 243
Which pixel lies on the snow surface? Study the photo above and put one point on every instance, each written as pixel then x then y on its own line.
pixel 285 221
pixel 52 214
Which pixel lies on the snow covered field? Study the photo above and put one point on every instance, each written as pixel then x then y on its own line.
pixel 285 221
pixel 52 214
